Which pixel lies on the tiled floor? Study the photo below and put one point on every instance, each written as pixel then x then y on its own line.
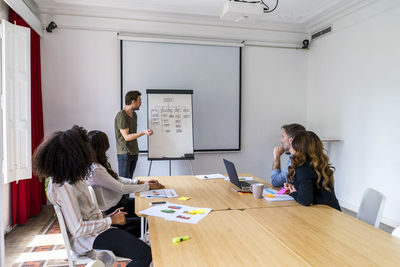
pixel 22 236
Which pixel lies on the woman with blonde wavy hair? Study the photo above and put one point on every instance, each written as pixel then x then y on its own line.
pixel 311 175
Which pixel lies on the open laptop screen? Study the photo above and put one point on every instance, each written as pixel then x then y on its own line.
pixel 231 170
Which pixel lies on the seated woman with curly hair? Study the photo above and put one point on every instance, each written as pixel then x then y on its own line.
pixel 311 175
pixel 67 157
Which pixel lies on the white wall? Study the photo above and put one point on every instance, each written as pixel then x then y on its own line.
pixel 81 85
pixel 354 94
pixel 269 99
pixel 80 80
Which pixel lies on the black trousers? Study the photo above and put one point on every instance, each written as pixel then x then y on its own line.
pixel 132 220
pixel 123 244
pixel 127 203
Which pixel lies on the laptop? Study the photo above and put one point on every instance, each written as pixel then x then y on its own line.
pixel 233 177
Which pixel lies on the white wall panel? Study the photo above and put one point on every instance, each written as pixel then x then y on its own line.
pixel 353 94
pixel 81 85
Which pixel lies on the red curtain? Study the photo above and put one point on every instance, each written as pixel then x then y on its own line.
pixel 28 196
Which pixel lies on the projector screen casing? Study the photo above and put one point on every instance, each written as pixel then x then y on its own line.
pixel 214 74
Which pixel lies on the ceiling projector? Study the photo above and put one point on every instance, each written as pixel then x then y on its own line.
pixel 242 11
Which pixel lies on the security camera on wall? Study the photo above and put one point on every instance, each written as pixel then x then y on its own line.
pixel 306 44
pixel 52 25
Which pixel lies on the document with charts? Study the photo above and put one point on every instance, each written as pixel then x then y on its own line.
pixel 160 193
pixel 178 213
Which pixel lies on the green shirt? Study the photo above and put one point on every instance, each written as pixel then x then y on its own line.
pixel 123 121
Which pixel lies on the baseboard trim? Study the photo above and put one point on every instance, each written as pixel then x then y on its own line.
pixel 388 221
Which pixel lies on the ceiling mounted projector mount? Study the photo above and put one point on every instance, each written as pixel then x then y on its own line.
pixel 240 10
pixel 266 7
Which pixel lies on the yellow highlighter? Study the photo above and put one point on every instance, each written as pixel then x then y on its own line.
pixel 180 239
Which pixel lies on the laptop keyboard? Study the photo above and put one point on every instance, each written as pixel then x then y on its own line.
pixel 244 184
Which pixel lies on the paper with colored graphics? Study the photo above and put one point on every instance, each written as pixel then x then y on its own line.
pixel 178 213
pixel 160 193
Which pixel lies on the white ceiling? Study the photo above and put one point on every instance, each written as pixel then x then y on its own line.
pixel 298 13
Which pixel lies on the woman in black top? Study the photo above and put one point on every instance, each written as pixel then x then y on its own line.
pixel 310 174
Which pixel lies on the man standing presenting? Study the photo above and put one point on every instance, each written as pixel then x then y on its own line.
pixel 125 126
pixel 278 176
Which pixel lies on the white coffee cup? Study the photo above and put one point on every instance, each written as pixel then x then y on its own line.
pixel 257 190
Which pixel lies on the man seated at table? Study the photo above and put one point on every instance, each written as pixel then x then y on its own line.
pixel 278 176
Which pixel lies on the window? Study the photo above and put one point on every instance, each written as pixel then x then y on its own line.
pixel 16 102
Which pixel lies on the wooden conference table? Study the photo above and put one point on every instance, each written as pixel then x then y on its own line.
pixel 216 194
pixel 323 236
pixel 243 231
pixel 223 238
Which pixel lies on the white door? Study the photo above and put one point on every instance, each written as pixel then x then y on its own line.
pixel 16 102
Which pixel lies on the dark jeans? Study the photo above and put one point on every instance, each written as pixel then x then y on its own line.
pixel 126 165
pixel 124 245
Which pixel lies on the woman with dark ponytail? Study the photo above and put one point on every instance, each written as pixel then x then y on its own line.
pixel 310 175
pixel 109 188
